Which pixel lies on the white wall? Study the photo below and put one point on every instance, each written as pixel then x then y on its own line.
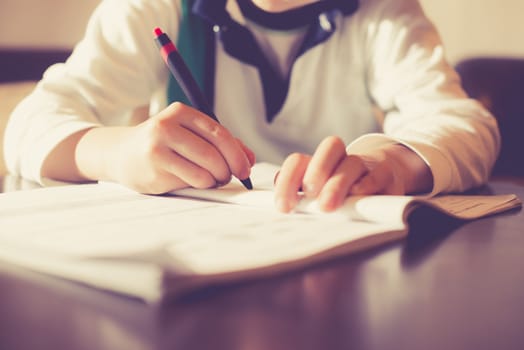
pixel 43 23
pixel 468 27
pixel 479 27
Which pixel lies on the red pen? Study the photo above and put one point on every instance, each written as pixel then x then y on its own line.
pixel 185 79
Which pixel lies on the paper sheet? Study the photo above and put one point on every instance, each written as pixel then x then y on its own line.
pixel 113 238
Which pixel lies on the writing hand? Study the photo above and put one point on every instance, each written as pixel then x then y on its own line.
pixel 177 148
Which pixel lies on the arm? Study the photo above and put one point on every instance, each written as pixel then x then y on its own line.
pixel 425 107
pixel 179 147
pixel 435 138
pixel 111 71
pixel 62 130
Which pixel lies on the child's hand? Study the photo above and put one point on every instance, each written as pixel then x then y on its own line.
pixel 177 148
pixel 330 175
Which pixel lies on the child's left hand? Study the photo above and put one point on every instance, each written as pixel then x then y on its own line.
pixel 330 175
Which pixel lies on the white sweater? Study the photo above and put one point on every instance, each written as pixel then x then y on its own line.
pixel 380 78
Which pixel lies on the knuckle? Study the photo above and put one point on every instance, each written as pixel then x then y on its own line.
pixel 333 142
pixel 355 160
pixel 154 152
pixel 175 108
pixel 296 157
pixel 158 128
pixel 160 124
pixel 219 133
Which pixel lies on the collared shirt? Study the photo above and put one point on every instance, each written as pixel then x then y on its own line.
pixel 380 78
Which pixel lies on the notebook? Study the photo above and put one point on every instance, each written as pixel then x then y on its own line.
pixel 109 237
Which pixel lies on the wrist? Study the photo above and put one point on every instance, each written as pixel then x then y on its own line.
pixel 96 154
pixel 411 169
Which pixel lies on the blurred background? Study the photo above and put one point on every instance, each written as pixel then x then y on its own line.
pixel 468 27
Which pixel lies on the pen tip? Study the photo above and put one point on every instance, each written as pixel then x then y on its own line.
pixel 158 31
pixel 247 183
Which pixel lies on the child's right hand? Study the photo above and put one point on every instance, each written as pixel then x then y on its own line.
pixel 179 147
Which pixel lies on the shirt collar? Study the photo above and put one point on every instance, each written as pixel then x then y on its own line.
pixel 221 12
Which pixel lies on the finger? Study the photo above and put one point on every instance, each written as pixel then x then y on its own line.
pixel 158 182
pixel 196 151
pixel 337 188
pixel 166 129
pixel 325 160
pixel 153 178
pixel 217 135
pixel 289 181
pixel 249 153
pixel 275 179
pixel 376 181
pixel 187 172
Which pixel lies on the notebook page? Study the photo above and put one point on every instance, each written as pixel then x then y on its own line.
pixel 73 231
pixel 202 236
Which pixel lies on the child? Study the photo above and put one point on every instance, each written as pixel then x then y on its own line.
pixel 351 98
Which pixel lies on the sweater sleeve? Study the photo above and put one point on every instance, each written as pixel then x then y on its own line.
pixel 113 70
pixel 424 105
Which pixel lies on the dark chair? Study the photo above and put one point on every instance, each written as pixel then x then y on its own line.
pixel 28 65
pixel 498 83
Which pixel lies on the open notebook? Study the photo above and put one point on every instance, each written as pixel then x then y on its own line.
pixel 112 238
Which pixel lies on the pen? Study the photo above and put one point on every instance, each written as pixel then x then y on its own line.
pixel 185 79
